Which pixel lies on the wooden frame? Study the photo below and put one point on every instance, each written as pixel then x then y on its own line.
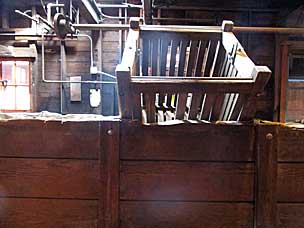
pixel 15 60
pixel 190 86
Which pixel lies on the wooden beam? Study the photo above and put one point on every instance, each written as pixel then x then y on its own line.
pixel 266 181
pixel 147 11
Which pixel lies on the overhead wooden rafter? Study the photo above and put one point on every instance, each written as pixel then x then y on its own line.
pixel 90 10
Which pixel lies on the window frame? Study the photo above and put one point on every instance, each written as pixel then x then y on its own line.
pixel 29 85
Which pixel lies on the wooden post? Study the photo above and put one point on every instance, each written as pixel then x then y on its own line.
pixel 109 181
pixel 266 177
pixel 261 75
pixel 284 79
pixel 125 101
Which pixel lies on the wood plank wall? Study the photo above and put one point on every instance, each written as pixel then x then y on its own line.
pixel 290 191
pixel 52 174
pixel 112 174
pixel 187 176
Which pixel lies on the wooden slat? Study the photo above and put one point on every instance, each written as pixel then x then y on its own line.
pixel 49 178
pixel 48 213
pixel 200 142
pixel 217 107
pixel 109 190
pixel 185 86
pixel 195 103
pixel 185 214
pixel 145 58
pixel 266 179
pixel 211 58
pixel 242 62
pixel 155 60
pixel 241 100
pixel 220 60
pixel 137 107
pixel 203 35
pixel 192 58
pixel 290 215
pixel 186 181
pixel 181 106
pixel 52 139
pixel 207 106
pixel 175 43
pixel 200 58
pixel 291 182
pixel 290 145
pixel 150 107
pixel 182 57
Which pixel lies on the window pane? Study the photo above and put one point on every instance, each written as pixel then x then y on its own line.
pixel 22 98
pixel 7 71
pixel 8 98
pixel 22 74
pixel 295 89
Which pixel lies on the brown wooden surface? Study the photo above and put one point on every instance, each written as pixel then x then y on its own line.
pixel 186 181
pixel 199 142
pixel 291 145
pixel 291 215
pixel 185 215
pixel 291 182
pixel 266 179
pixel 38 139
pixel 53 178
pixel 48 213
pixel 284 78
pixel 109 188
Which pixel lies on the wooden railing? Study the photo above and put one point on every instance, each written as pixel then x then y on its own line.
pixel 187 73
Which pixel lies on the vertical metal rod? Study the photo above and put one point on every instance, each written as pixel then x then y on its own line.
pixel 120 37
pixel 62 61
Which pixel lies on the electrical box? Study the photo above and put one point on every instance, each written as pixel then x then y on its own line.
pixel 75 89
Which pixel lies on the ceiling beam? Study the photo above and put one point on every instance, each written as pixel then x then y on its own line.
pixel 90 10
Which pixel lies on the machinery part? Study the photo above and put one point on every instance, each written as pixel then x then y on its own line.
pixel 63 26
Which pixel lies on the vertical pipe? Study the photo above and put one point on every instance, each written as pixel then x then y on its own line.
pixel 62 73
pixel 120 37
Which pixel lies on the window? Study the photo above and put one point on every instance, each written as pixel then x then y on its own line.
pixel 15 92
pixel 295 88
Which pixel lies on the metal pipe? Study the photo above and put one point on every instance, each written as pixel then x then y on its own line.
pixel 101 26
pixel 25 15
pixel 49 10
pixel 65 81
pixel 124 5
pixel 281 30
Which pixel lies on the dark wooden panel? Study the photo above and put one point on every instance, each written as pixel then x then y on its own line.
pixel 187 142
pixel 291 144
pixel 51 139
pixel 187 181
pixel 291 215
pixel 291 182
pixel 110 174
pixel 185 215
pixel 48 213
pixel 266 177
pixel 49 178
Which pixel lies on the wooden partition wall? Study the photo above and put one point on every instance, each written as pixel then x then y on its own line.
pixel 123 174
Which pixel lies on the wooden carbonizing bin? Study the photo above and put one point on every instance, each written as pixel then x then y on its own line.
pixel 187 73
